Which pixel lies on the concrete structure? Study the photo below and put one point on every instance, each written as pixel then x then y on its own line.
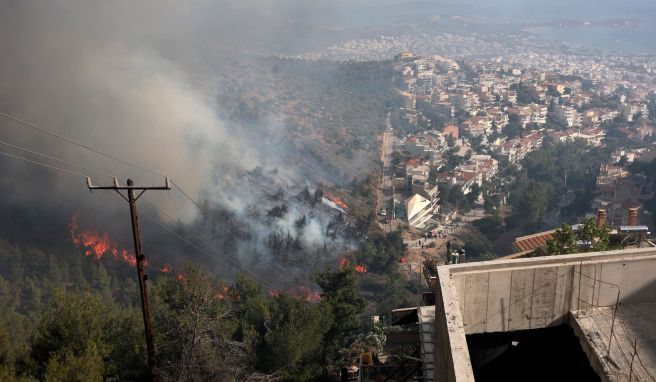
pixel 632 334
pixel 533 293
pixel 423 318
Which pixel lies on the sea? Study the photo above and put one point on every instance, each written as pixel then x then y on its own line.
pixel 538 16
pixel 637 39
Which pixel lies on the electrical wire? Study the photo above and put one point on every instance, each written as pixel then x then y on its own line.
pixel 379 297
pixel 99 152
pixel 201 250
pixel 57 159
pixel 42 130
pixel 42 164
pixel 199 239
pixel 239 266
pixel 187 195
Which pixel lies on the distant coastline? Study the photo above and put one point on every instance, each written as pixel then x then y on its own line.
pixel 634 41
pixel 577 23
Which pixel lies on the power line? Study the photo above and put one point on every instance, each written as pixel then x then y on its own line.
pixel 57 159
pixel 99 152
pixel 199 239
pixel 140 258
pixel 187 196
pixel 42 130
pixel 240 267
pixel 201 250
pixel 66 171
pixel 42 164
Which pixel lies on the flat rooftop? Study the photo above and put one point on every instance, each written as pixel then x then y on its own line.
pixel 543 292
pixel 634 332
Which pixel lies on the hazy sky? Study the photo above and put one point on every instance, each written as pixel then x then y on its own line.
pixel 103 71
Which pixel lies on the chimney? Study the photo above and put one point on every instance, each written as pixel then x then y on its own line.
pixel 633 216
pixel 601 218
pixel 448 250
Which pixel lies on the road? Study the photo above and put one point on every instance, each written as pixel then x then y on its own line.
pixel 385 190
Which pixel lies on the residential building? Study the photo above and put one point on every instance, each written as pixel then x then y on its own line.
pixel 419 210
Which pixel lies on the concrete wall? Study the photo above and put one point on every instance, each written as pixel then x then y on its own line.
pixel 518 294
pixel 452 361
pixel 539 292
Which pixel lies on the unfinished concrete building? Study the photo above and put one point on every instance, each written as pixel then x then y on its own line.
pixel 601 303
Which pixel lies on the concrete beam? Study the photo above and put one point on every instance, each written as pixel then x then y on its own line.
pixel 452 362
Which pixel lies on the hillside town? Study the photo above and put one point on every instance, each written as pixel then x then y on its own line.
pixel 464 126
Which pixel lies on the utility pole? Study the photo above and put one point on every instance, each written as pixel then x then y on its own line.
pixel 141 259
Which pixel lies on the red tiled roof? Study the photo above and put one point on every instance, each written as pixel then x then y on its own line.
pixel 532 242
pixel 414 162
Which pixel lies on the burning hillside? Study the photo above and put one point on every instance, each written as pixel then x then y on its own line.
pixel 98 244
pixel 268 218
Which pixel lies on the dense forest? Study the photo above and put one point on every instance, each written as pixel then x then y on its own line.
pixel 68 317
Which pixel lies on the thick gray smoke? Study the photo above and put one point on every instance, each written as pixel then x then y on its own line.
pixel 138 80
pixel 97 75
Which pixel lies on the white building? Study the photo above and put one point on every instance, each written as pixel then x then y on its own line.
pixel 419 210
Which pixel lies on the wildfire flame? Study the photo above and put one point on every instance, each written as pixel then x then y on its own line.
pixel 222 293
pixel 361 269
pixel 344 262
pixel 98 244
pixel 306 294
pixel 340 203
pixel 314 297
pixel 165 269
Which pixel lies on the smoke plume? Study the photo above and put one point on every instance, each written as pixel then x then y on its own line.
pixel 139 80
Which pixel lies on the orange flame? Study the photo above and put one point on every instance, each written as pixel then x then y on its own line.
pixel 98 244
pixel 340 203
pixel 361 269
pixel 165 269
pixel 343 262
pixel 222 293
pixel 306 294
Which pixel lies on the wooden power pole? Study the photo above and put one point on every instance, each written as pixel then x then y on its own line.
pixel 134 218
